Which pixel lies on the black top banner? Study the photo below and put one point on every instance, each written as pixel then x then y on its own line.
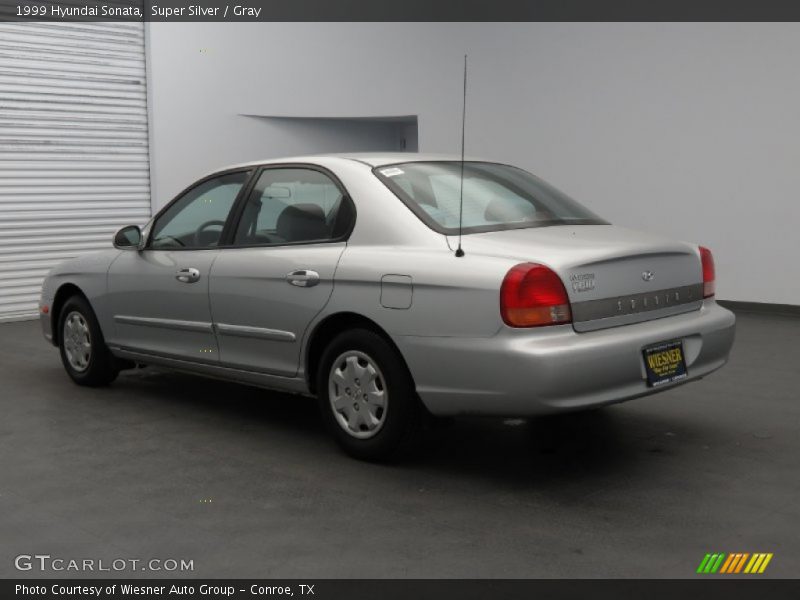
pixel 401 10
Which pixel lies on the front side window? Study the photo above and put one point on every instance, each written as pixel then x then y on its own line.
pixel 294 205
pixel 196 219
pixel 495 197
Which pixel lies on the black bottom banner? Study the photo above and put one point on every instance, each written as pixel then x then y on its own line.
pixel 411 589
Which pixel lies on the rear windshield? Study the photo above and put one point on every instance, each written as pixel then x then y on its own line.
pixel 496 197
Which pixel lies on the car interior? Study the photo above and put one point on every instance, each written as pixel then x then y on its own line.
pixel 302 208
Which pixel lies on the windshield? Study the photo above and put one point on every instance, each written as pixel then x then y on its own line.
pixel 496 197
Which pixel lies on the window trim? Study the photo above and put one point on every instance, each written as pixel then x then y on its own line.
pixel 228 235
pixel 245 186
pixel 431 223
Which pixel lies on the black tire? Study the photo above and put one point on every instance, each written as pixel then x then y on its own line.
pixel 101 368
pixel 405 422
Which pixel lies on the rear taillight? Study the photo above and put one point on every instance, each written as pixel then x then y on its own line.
pixel 709 276
pixel 532 295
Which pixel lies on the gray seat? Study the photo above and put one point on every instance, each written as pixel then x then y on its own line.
pixel 302 223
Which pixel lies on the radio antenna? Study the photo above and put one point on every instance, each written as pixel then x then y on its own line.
pixel 459 250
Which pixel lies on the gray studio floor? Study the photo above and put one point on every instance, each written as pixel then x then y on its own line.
pixel 245 483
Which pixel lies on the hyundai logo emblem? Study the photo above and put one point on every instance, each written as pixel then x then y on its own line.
pixel 648 276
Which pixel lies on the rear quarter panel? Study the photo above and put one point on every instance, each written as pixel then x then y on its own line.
pixel 450 296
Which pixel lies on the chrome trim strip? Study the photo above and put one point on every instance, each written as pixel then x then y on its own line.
pixel 295 384
pixel 166 323
pixel 640 317
pixel 262 333
pixel 633 304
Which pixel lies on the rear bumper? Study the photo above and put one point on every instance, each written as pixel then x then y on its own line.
pixel 526 372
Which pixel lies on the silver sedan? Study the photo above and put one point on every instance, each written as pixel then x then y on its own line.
pixel 393 288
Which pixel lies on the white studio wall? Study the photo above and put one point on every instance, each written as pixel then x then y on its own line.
pixel 691 130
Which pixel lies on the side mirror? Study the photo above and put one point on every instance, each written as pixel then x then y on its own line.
pixel 128 238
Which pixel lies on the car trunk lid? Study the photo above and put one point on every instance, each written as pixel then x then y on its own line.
pixel 613 276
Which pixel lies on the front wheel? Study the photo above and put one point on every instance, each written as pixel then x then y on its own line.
pixel 367 397
pixel 86 358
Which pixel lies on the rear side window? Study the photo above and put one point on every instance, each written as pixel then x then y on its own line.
pixel 495 197
pixel 294 205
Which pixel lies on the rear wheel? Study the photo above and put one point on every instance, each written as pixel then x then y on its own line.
pixel 84 354
pixel 367 397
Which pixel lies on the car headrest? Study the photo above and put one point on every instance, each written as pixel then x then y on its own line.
pixel 501 210
pixel 302 222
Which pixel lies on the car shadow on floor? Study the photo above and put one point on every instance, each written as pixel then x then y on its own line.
pixel 591 445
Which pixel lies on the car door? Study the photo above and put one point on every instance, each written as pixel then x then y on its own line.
pixel 278 273
pixel 159 295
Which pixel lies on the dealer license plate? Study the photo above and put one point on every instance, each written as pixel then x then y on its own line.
pixel 664 363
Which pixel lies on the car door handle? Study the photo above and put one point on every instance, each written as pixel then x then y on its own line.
pixel 303 278
pixel 189 275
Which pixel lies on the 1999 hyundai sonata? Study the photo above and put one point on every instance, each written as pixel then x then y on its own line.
pixel 338 277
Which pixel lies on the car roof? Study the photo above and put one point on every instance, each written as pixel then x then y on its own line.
pixel 372 159
pixel 377 159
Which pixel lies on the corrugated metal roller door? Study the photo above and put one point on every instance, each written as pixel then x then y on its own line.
pixel 73 147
